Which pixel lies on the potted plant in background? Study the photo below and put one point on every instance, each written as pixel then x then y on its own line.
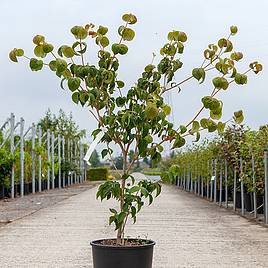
pixel 135 118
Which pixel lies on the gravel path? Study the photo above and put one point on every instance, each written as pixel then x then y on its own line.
pixel 190 232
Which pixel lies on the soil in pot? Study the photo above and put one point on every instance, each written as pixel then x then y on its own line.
pixel 136 253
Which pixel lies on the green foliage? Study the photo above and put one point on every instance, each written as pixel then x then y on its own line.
pixel 94 159
pixel 6 161
pixel 137 118
pixel 97 174
pixel 62 124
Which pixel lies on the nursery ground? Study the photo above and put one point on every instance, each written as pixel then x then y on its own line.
pixel 189 231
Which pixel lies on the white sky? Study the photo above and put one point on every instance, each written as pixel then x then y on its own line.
pixel 29 94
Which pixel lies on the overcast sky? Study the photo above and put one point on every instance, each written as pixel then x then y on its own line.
pixel 29 94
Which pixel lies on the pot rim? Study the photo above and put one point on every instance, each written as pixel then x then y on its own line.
pixel 95 243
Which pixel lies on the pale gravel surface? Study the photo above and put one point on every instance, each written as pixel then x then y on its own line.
pixel 190 232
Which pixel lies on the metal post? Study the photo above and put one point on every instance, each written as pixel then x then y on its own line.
pixel 208 180
pixel 242 187
pixel 39 160
pixel 33 158
pixel 12 149
pixel 226 182
pixel 48 159
pixel 21 157
pixel 212 181
pixel 215 181
pixel 75 160
pixel 220 183
pixel 265 188
pixel 234 207
pixel 53 159
pixel 63 161
pixel 254 186
pixel 59 160
pixel 184 179
pixel 69 160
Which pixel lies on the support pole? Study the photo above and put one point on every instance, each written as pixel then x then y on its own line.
pixel 53 159
pixel 220 199
pixel 39 160
pixel 63 161
pixel 226 182
pixel 215 181
pixel 21 157
pixel 234 207
pixel 265 188
pixel 12 149
pixel 48 159
pixel 59 160
pixel 242 187
pixel 33 159
pixel 254 186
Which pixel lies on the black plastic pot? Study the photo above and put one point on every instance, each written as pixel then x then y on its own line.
pixel 107 256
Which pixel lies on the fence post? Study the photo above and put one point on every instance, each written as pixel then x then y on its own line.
pixel 208 180
pixel 75 160
pixel 39 160
pixel 234 207
pixel 265 188
pixel 63 161
pixel 242 187
pixel 53 159
pixel 220 199
pixel 215 181
pixel 212 181
pixel 59 160
pixel 21 157
pixel 226 182
pixel 184 179
pixel 69 160
pixel 12 149
pixel 254 186
pixel 33 159
pixel 48 159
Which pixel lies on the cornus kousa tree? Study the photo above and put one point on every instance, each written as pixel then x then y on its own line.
pixel 137 118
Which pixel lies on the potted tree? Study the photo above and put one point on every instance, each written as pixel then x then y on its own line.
pixel 136 119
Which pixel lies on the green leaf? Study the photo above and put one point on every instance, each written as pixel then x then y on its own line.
pixel 241 79
pixel 79 32
pixel 151 111
pixel 104 41
pixel 53 66
pixel 61 65
pixel 129 18
pixel 179 142
pixel 119 49
pixel 233 30
pixel 35 64
pixel 102 30
pixel 220 83
pixel 67 51
pixel 166 109
pixel 13 55
pixel 238 117
pixel 183 129
pixel 19 52
pixel 221 127
pixel 195 127
pixel 74 83
pixel 39 52
pixel 199 74
pixel 47 48
pixel 75 97
pixel 204 123
pixel 39 40
pixel 120 84
pixel 104 152
pixel 134 189
pixel 128 34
